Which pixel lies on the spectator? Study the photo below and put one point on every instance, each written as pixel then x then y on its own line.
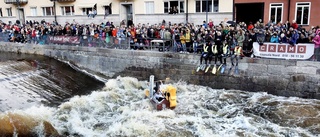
pixel 274 38
pixel 175 10
pixel 240 38
pixel 176 41
pixel 316 41
pixel 294 37
pixel 260 37
pixel 283 38
pixel 167 37
pixel 94 13
pixel 294 24
pixel 106 13
pixel 183 48
pixel 250 26
pixel 89 14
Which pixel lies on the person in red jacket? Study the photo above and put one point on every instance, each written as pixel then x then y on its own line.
pixel 294 24
pixel 250 26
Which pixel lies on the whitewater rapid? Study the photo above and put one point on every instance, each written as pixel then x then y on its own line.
pixel 120 109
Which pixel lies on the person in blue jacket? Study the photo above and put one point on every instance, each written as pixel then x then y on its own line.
pixel 283 38
pixel 274 38
pixel 294 38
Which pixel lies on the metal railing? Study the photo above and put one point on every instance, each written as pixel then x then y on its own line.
pixel 63 0
pixel 16 1
pixel 90 41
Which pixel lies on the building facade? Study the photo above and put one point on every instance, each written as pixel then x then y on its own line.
pixel 304 12
pixel 139 11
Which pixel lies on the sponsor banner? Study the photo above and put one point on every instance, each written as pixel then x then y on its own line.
pixel 64 39
pixel 283 51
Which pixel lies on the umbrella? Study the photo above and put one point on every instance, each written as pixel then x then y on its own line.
pixel 232 23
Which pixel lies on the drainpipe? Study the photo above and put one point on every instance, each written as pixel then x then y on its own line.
pixel 55 13
pixel 233 13
pixel 207 11
pixel 187 11
pixel 289 4
pixel 18 10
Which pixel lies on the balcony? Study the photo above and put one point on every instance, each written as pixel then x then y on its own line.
pixel 16 2
pixel 64 0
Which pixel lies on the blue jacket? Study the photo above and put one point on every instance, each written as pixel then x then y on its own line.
pixel 294 37
pixel 274 39
pixel 283 40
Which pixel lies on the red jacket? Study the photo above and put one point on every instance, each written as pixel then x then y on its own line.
pixel 294 25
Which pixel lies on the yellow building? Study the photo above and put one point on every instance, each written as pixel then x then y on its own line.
pixel 139 11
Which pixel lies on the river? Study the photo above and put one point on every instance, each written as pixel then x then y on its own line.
pixel 77 104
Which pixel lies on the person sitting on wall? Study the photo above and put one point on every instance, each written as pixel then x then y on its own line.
pixel 94 13
pixel 89 14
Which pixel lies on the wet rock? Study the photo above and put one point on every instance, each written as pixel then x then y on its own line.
pixel 24 125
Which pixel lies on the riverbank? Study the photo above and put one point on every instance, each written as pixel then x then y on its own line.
pixel 278 77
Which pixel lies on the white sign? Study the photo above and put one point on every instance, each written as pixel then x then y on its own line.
pixel 283 51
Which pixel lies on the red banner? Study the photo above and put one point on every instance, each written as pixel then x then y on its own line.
pixel 64 39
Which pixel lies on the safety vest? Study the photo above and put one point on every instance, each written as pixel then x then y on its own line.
pixel 237 50
pixel 205 49
pixel 214 49
pixel 225 49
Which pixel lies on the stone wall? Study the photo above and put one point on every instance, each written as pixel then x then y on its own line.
pixel 279 77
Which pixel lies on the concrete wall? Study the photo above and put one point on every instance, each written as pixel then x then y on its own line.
pixel 280 77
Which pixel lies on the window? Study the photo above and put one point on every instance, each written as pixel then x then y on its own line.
pixel 276 12
pixel 198 6
pixel 215 5
pixel 67 10
pixel 1 13
pixel 85 11
pixel 173 7
pixel 204 6
pixel 149 7
pixel 48 11
pixel 9 12
pixel 303 13
pixel 33 11
pixel 201 5
pixel 108 9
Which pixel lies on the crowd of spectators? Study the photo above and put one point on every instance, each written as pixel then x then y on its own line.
pixel 180 37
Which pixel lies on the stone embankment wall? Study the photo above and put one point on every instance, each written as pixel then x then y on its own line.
pixel 279 77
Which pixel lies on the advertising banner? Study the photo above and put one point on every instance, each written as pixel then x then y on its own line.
pixel 283 51
pixel 64 39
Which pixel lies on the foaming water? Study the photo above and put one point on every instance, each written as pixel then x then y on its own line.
pixel 27 81
pixel 119 109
